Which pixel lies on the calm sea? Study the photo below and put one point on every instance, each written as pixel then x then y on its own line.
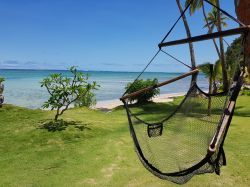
pixel 22 87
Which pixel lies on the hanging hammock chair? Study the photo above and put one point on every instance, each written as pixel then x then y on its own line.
pixel 189 140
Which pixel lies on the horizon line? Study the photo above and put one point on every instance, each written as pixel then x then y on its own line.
pixel 115 71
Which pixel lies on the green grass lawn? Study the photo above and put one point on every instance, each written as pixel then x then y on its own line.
pixel 100 151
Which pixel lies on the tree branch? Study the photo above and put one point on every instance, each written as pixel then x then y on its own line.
pixel 47 89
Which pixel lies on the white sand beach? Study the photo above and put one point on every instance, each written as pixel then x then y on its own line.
pixel 111 104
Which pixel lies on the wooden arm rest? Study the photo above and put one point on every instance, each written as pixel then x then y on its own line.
pixel 215 143
pixel 216 140
pixel 159 85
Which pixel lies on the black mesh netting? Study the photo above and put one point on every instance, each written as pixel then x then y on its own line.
pixel 174 147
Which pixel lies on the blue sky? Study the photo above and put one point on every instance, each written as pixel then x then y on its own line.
pixel 110 35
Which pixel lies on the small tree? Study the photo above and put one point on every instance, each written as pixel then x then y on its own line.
pixel 1 91
pixel 140 84
pixel 65 91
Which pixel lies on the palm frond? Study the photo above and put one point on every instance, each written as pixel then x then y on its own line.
pixel 218 70
pixel 205 68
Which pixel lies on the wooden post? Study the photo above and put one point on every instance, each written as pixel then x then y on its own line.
pixel 243 14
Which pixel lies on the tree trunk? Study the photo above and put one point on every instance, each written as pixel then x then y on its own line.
pixel 242 11
pixel 215 89
pixel 222 54
pixel 209 29
pixel 57 114
pixel 211 68
pixel 56 117
pixel 191 47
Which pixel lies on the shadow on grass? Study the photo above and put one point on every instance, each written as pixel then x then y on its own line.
pixel 192 108
pixel 60 125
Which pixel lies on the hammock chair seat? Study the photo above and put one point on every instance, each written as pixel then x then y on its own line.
pixel 175 146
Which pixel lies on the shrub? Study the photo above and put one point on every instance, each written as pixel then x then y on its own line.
pixel 2 79
pixel 140 84
pixel 245 91
pixel 1 85
pixel 65 91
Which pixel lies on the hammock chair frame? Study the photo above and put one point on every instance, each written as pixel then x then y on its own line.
pixel 230 32
pixel 215 147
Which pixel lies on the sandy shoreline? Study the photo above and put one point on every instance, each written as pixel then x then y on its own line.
pixel 110 104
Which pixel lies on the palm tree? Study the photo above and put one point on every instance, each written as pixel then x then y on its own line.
pixel 191 47
pixel 212 22
pixel 207 69
pixel 222 54
pixel 196 5
pixel 213 73
pixel 214 19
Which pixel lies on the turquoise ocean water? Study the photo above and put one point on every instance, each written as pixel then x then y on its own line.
pixel 22 87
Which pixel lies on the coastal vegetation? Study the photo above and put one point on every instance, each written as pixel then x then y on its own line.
pixel 234 58
pixel 102 152
pixel 2 79
pixel 213 73
pixel 140 84
pixel 65 91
